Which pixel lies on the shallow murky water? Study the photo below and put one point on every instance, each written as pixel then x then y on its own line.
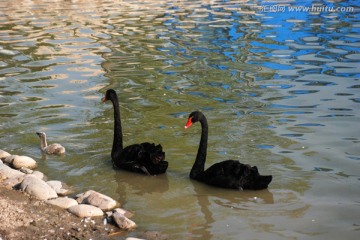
pixel 279 88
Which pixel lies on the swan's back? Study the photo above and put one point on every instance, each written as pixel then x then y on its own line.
pixel 233 174
pixel 145 158
pixel 55 148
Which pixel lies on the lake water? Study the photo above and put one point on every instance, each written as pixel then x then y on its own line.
pixel 279 86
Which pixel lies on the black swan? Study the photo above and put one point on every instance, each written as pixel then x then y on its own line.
pixel 226 174
pixel 54 148
pixel 145 157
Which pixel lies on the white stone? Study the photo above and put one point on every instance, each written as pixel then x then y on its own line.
pixel 97 199
pixel 4 154
pixel 23 162
pixel 37 188
pixel 123 222
pixel 8 172
pixel 60 187
pixel 8 159
pixel 123 212
pixel 13 181
pixel 39 175
pixel 63 202
pixel 26 170
pixel 84 210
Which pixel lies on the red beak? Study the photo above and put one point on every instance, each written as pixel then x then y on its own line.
pixel 103 99
pixel 189 122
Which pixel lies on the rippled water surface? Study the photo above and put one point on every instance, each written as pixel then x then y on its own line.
pixel 280 90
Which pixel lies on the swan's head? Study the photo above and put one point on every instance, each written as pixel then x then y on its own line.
pixel 193 118
pixel 108 95
pixel 41 134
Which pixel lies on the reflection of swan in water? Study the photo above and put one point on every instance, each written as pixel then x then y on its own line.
pixel 139 184
pixel 227 198
pixel 234 198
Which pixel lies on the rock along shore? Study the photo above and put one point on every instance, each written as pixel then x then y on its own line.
pixel 17 173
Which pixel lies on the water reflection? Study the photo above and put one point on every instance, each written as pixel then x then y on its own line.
pixel 227 198
pixel 139 184
pixel 211 201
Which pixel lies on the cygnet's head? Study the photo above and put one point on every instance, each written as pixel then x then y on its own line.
pixel 41 134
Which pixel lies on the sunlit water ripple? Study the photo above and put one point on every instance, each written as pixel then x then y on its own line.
pixel 279 89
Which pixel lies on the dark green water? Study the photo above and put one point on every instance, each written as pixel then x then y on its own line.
pixel 279 88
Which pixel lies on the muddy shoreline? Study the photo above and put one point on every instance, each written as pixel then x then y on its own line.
pixel 27 212
pixel 24 217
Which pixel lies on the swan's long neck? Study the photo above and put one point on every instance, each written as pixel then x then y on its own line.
pixel 43 142
pixel 118 141
pixel 199 164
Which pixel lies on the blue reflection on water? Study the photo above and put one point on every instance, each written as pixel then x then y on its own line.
pixel 317 83
pixel 263 146
pixel 303 91
pixel 288 106
pixel 233 33
pixel 279 86
pixel 310 125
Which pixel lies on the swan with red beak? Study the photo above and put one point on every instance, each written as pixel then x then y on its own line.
pixel 225 174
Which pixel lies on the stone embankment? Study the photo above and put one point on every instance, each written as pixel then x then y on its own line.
pixel 17 172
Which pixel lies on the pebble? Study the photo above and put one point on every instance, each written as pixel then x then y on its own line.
pixel 26 170
pixel 37 188
pixel 4 154
pixel 97 199
pixel 62 202
pixel 84 210
pixel 39 175
pixel 124 212
pixel 60 188
pixel 8 159
pixel 123 222
pixel 13 181
pixel 7 172
pixel 18 162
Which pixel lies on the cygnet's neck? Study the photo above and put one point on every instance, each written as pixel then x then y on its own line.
pixel 43 141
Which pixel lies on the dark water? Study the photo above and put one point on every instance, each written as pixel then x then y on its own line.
pixel 279 86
